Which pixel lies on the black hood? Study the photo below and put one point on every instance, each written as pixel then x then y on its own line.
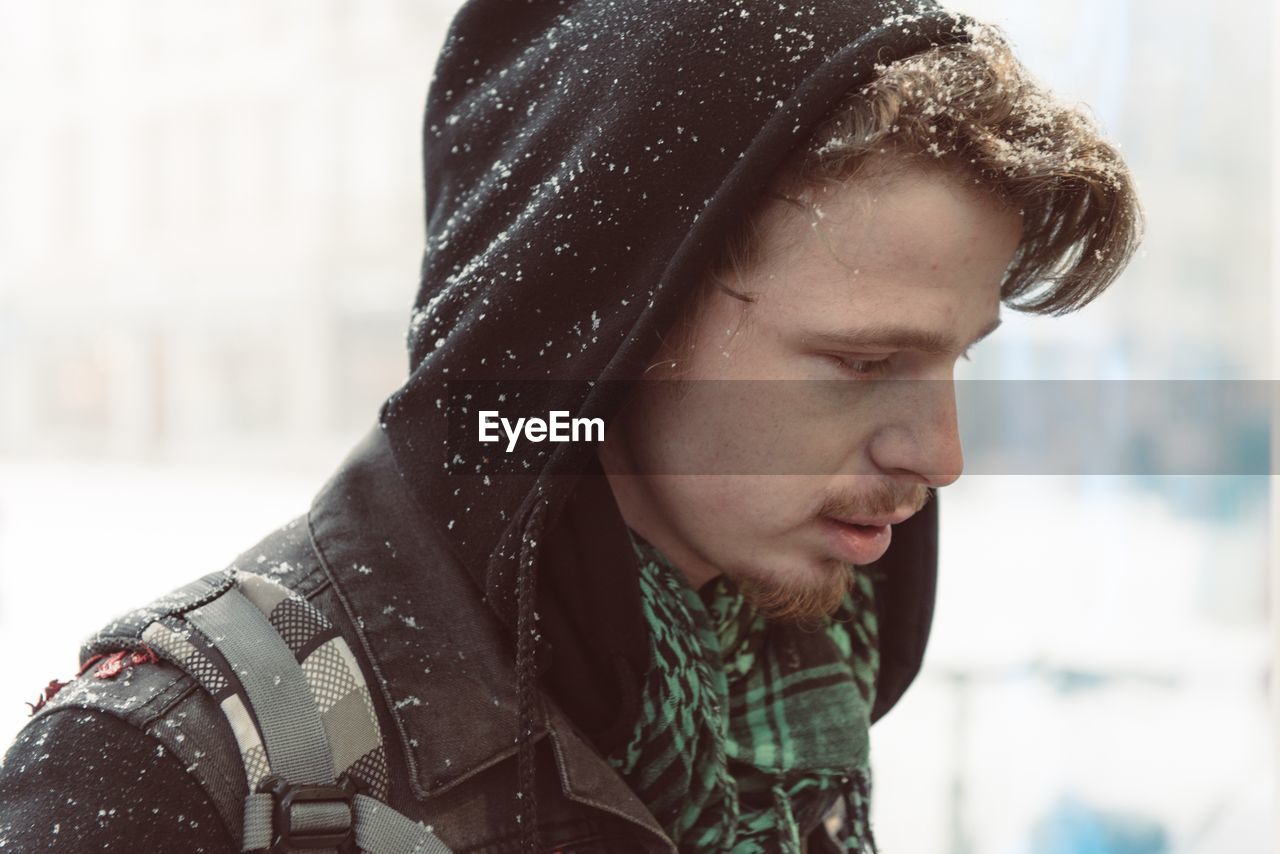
pixel 583 163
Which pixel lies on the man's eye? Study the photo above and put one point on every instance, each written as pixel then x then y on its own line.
pixel 861 367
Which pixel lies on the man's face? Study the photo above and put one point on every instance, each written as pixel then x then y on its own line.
pixel 851 341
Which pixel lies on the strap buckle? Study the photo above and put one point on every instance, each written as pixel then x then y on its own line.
pixel 286 795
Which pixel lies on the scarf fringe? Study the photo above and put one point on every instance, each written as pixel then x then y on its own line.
pixel 857 806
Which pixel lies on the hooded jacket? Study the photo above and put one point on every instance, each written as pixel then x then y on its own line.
pixel 583 163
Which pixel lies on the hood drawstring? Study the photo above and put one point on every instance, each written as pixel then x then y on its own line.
pixel 527 638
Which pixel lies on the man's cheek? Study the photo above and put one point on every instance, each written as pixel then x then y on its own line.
pixel 748 505
pixel 706 498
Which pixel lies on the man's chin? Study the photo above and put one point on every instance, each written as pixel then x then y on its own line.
pixel 805 597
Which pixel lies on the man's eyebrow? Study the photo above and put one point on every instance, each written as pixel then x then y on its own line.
pixel 898 338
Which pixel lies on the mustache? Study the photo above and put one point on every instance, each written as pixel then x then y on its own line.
pixel 881 501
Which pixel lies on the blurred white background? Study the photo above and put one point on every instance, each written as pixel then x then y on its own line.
pixel 210 224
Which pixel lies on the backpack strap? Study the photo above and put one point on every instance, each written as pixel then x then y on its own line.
pixel 296 700
pixel 378 827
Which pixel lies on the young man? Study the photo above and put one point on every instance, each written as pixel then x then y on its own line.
pixel 752 240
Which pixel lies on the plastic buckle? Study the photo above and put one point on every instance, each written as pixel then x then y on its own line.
pixel 285 794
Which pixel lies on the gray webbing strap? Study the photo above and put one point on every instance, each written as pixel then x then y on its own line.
pixel 379 828
pixel 382 830
pixel 257 822
pixel 320 817
pixel 293 734
pixel 275 685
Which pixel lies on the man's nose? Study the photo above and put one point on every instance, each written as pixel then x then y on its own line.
pixel 921 442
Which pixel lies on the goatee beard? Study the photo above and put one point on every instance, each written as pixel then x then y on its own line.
pixel 803 603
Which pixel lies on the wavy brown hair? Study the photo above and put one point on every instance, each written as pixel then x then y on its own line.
pixel 973 108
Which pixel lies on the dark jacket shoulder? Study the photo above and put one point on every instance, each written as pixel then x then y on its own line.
pixel 134 732
pixel 80 779
pixel 439 677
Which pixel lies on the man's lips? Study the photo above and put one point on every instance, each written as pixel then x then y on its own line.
pixel 876 521
pixel 861 539
pixel 856 544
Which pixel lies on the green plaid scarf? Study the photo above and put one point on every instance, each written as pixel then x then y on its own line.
pixel 750 731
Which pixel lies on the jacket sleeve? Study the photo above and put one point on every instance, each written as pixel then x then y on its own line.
pixel 85 780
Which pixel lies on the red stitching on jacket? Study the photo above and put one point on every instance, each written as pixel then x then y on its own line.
pixel 113 664
pixel 46 695
pixel 118 661
pixel 109 666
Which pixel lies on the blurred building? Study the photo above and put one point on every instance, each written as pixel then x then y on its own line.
pixel 211 223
